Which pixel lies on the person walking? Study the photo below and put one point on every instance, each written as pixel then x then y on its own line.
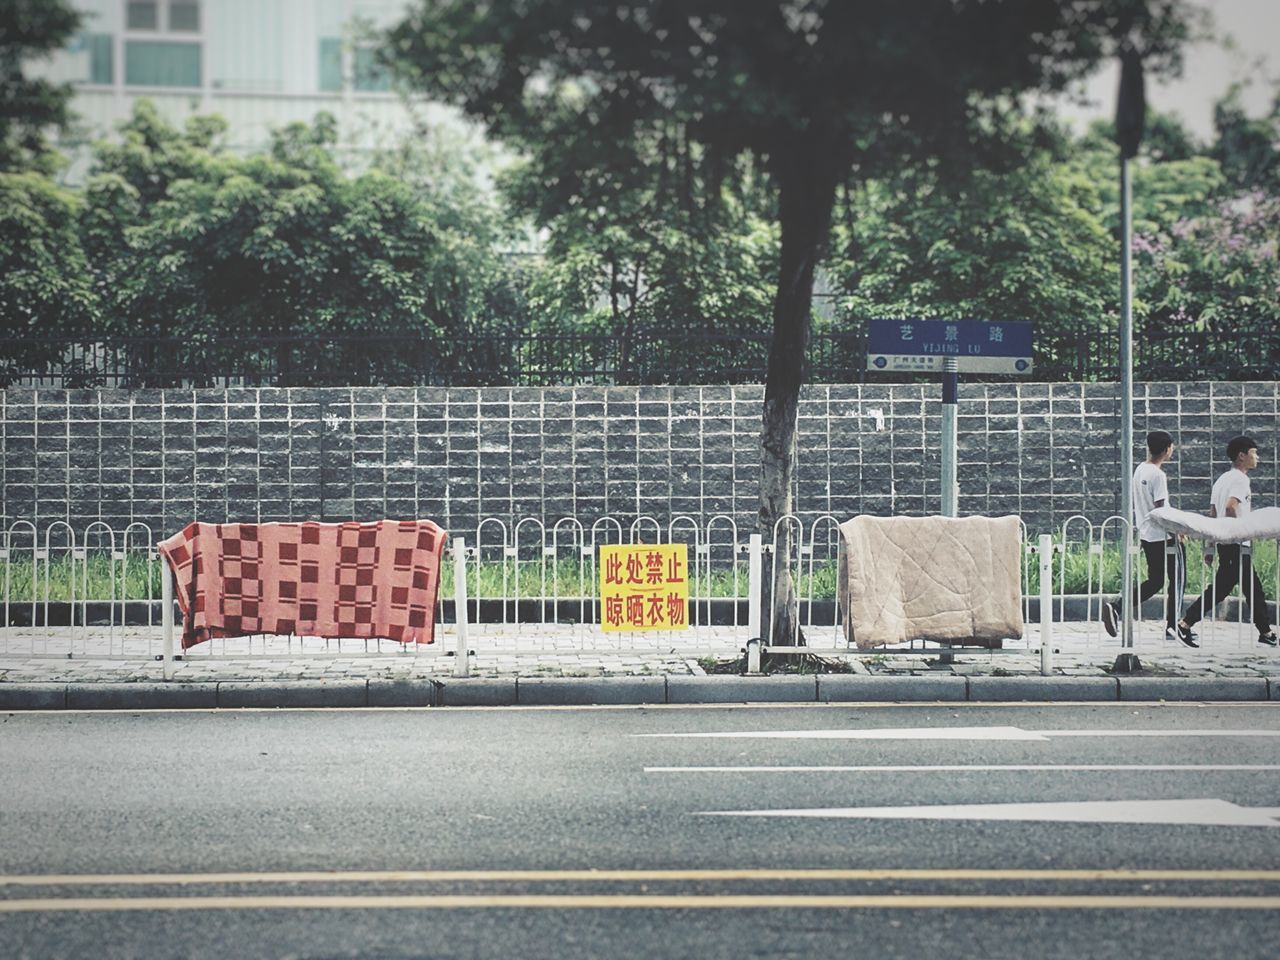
pixel 1232 497
pixel 1163 552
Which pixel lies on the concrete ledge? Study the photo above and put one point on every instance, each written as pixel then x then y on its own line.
pixel 476 692
pixel 142 696
pixel 293 693
pixel 548 691
pixel 852 688
pixel 33 696
pixel 1043 689
pixel 402 693
pixel 1273 683
pixel 1193 688
pixel 788 688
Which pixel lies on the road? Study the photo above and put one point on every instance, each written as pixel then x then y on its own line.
pixel 1114 830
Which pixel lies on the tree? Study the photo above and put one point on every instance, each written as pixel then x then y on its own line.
pixel 1247 148
pixel 30 107
pixel 46 292
pixel 816 90
pixel 1029 244
pixel 194 244
pixel 675 268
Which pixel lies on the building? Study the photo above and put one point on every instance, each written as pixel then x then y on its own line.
pixel 259 63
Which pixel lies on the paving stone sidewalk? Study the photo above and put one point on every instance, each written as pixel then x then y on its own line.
pixel 130 656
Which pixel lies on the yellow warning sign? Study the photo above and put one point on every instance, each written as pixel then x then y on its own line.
pixel 644 586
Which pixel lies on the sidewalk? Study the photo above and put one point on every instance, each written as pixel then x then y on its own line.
pixel 118 670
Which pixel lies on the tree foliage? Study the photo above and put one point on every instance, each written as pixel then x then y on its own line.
pixel 190 240
pixel 30 107
pixel 45 287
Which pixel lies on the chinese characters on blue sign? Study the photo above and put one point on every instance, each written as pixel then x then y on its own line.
pixel 978 346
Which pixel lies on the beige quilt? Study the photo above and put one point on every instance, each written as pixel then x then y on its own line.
pixel 953 579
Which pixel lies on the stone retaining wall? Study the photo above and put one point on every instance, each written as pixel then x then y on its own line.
pixel 165 457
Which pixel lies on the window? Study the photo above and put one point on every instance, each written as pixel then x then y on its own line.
pixel 159 63
pixel 181 16
pixel 371 76
pixel 331 64
pixel 143 15
pixel 101 49
pixel 184 16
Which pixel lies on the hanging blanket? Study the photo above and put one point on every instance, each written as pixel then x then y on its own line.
pixel 1264 524
pixel 949 579
pixel 336 580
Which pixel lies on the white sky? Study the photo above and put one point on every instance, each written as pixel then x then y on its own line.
pixel 1209 69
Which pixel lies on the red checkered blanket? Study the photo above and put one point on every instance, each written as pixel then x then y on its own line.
pixel 334 580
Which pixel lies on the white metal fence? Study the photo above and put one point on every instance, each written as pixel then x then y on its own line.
pixel 531 588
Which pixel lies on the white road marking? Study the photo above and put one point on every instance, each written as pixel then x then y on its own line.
pixel 950 733
pixel 988 767
pixel 868 733
pixel 1197 812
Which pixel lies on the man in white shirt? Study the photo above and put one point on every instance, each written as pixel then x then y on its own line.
pixel 1232 497
pixel 1163 552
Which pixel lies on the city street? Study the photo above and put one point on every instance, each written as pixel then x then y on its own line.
pixel 936 830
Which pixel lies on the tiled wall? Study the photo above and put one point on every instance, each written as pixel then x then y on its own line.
pixel 166 457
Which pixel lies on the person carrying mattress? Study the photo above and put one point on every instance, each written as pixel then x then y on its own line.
pixel 1232 497
pixel 1163 552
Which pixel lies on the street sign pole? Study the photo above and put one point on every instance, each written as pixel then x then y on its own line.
pixel 949 347
pixel 950 488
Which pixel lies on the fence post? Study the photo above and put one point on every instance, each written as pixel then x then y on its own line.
pixel 755 581
pixel 461 660
pixel 166 616
pixel 1046 604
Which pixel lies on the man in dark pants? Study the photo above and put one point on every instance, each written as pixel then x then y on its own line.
pixel 1162 551
pixel 1232 497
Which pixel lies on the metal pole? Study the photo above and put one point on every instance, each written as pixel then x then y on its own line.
pixel 755 584
pixel 166 617
pixel 950 489
pixel 1126 396
pixel 1046 604
pixel 462 657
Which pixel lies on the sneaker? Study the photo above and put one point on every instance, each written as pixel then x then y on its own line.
pixel 1110 617
pixel 1187 636
pixel 1268 638
pixel 1171 633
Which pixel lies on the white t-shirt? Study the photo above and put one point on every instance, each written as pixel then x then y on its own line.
pixel 1149 486
pixel 1233 483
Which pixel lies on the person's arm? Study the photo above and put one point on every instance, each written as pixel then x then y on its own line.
pixel 1232 503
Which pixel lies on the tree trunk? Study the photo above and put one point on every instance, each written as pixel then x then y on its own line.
pixel 806 180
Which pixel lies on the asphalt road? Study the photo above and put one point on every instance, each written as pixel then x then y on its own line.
pixel 1100 831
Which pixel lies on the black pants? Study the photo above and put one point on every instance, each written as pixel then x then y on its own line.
pixel 1162 561
pixel 1234 570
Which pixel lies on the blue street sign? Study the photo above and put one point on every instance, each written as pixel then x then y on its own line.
pixel 978 346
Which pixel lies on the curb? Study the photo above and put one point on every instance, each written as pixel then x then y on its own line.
pixel 628 691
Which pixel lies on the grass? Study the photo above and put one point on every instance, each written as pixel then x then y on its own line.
pixel 140 580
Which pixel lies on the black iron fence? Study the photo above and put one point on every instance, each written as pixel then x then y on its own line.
pixel 494 358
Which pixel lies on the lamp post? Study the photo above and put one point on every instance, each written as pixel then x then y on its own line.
pixel 1130 115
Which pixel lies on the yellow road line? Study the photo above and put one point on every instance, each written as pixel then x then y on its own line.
pixel 624 876
pixel 641 902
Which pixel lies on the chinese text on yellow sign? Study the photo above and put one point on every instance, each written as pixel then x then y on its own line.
pixel 644 586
